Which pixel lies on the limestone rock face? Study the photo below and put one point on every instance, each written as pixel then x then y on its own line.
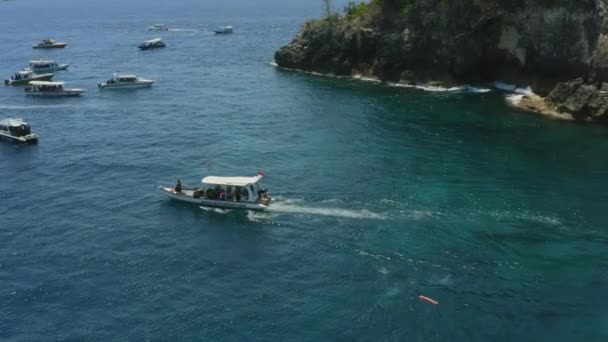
pixel 582 101
pixel 529 42
pixel 558 47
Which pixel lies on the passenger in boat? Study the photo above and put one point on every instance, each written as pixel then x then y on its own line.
pixel 237 193
pixel 178 187
pixel 222 195
pixel 229 194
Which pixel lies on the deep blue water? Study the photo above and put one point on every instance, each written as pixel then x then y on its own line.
pixel 382 194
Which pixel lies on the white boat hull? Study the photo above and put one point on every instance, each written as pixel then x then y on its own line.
pixel 63 93
pixel 45 70
pixel 186 196
pixel 35 77
pixel 135 85
pixel 28 139
pixel 50 46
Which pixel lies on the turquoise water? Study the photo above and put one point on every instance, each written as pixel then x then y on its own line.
pixel 382 194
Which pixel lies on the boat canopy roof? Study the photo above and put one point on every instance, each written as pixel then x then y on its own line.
pixel 234 181
pixel 42 61
pixel 25 72
pixel 41 83
pixel 124 76
pixel 155 40
pixel 13 122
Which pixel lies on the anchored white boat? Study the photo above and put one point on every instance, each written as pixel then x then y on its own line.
pixel 158 28
pixel 26 76
pixel 125 82
pixel 46 65
pixel 223 30
pixel 224 192
pixel 49 43
pixel 51 89
pixel 17 130
pixel 152 44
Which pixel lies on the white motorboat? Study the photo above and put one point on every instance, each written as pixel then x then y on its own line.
pixel 158 28
pixel 224 192
pixel 27 76
pixel 223 30
pixel 17 130
pixel 49 43
pixel 46 65
pixel 152 44
pixel 51 89
pixel 125 82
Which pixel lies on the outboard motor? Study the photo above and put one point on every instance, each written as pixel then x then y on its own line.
pixel 6 82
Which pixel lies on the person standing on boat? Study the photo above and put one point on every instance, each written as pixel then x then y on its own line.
pixel 237 193
pixel 178 187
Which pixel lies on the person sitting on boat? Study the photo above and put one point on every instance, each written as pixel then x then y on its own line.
pixel 222 195
pixel 178 187
pixel 237 194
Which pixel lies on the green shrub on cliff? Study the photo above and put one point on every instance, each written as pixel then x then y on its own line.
pixel 355 10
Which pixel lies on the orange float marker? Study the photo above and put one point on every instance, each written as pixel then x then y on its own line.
pixel 427 299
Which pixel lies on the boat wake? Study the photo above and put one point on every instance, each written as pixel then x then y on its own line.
pixel 38 107
pixel 182 30
pixel 324 211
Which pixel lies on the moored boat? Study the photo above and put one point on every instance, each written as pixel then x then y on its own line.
pixel 46 65
pixel 152 44
pixel 223 192
pixel 25 77
pixel 223 30
pixel 158 28
pixel 49 43
pixel 17 130
pixel 125 82
pixel 51 89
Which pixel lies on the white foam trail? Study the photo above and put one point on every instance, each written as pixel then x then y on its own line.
pixel 504 86
pixel 524 91
pixel 333 212
pixel 514 99
pixel 36 107
pixel 463 89
pixel 512 88
pixel 183 30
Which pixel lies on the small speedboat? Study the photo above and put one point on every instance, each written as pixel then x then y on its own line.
pixel 152 44
pixel 46 65
pixel 49 44
pixel 223 192
pixel 125 82
pixel 223 30
pixel 27 76
pixel 158 28
pixel 51 89
pixel 17 130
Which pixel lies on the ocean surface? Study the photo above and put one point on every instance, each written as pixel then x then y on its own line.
pixel 382 194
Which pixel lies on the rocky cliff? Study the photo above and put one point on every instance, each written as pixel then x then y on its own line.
pixel 540 43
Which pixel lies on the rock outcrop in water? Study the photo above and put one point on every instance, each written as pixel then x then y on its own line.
pixel 541 43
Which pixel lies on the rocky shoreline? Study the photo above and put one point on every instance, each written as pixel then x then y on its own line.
pixel 559 49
